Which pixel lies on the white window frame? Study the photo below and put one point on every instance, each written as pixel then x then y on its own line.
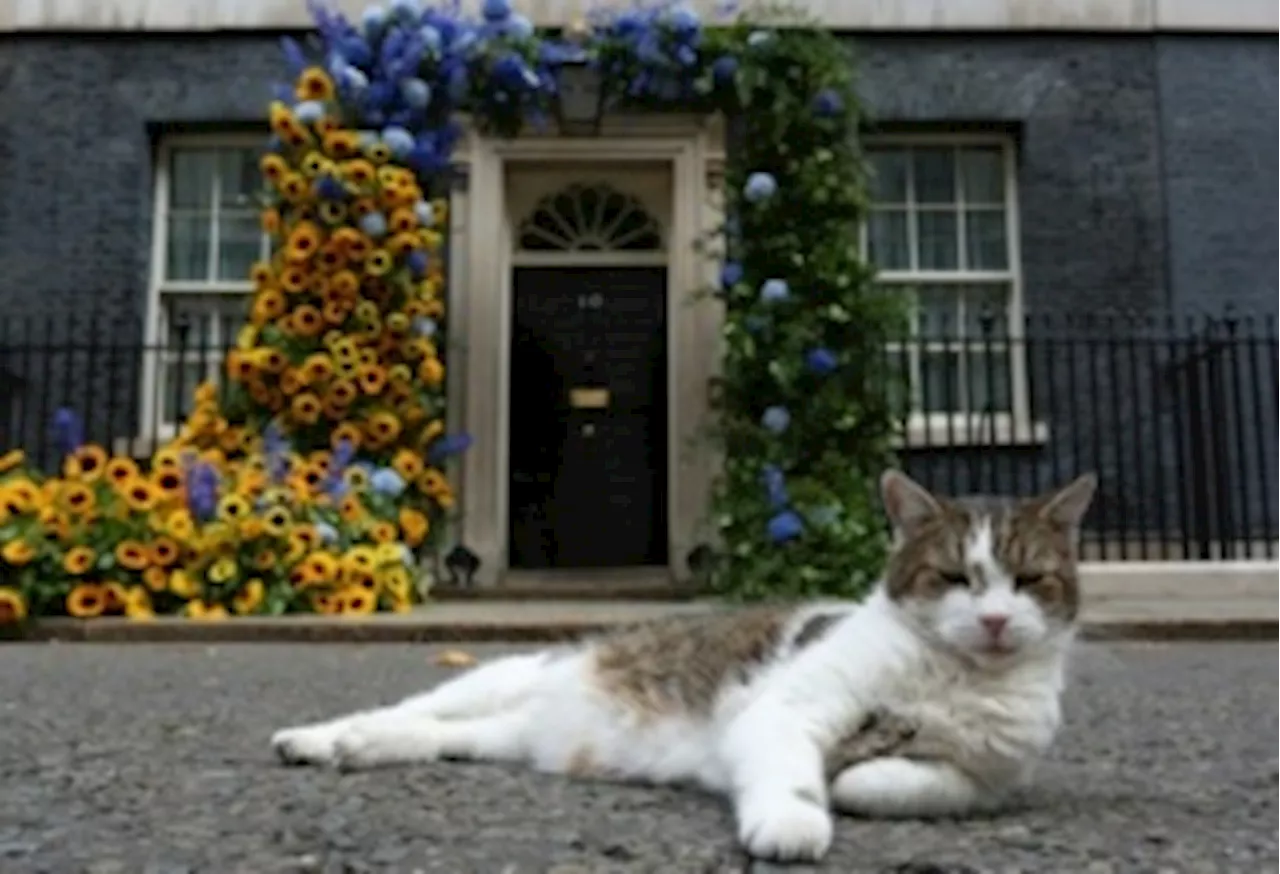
pixel 152 429
pixel 940 429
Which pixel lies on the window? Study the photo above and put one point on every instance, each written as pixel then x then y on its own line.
pixel 590 218
pixel 207 237
pixel 942 230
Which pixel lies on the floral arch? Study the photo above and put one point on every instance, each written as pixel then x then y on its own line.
pixel 316 477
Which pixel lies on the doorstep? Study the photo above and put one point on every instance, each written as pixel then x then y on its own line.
pixel 524 621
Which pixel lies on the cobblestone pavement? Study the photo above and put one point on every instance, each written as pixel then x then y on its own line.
pixel 145 759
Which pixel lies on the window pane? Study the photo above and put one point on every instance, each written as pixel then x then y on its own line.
pixel 888 176
pixel 937 241
pixel 209 321
pixel 982 175
pixel 897 379
pixel 888 247
pixel 988 380
pixel 239 244
pixel 238 178
pixel 938 309
pixel 935 175
pixel 191 178
pixel 986 310
pixel 188 255
pixel 985 245
pixel 940 382
pixel 176 385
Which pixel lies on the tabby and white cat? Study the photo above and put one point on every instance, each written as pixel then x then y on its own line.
pixel 935 696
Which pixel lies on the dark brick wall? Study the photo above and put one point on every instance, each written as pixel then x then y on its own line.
pixel 78 120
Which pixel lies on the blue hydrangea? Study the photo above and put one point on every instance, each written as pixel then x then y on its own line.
pixel 425 214
pixel 309 111
pixel 374 224
pixel 827 103
pixel 424 327
pixel 774 290
pixel 495 10
pixel 398 140
pixel 775 486
pixel 68 430
pixel 327 533
pixel 821 361
pixel 385 481
pixel 785 526
pixel 776 419
pixel 415 93
pixel 759 187
pixel 730 274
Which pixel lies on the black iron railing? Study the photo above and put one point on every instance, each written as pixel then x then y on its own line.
pixel 1178 416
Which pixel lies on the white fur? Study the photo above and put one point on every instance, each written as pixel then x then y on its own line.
pixel 988 716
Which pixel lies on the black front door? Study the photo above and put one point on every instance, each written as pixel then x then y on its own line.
pixel 588 436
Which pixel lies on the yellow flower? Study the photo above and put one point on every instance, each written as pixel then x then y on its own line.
pixel 13 607
pixel 180 525
pixel 155 578
pixel 78 498
pixel 201 610
pixel 85 463
pixel 137 604
pixel 389 553
pixel 357 601
pixel 10 460
pixel 396 581
pixel 164 551
pixel 276 521
pixel 117 595
pixel 249 598
pixel 251 528
pixel 321 567
pixel 360 558
pixel 121 470
pixel 78 560
pixel 87 600
pixel 414 526
pixel 383 532
pixel 183 584
pixel 132 555
pixel 140 495
pixel 17 553
pixel 314 84
pixel 233 508
pixel 223 570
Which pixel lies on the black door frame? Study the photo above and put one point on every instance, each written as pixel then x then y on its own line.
pixel 667 491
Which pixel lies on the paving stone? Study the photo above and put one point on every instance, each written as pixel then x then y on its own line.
pixel 154 758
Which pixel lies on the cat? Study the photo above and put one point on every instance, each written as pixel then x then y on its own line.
pixel 934 696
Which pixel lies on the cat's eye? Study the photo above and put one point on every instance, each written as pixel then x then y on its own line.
pixel 1023 581
pixel 954 579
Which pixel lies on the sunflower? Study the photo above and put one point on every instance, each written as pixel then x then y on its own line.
pixel 321 567
pixel 17 552
pixel 270 221
pixel 432 482
pixel 307 321
pixel 383 426
pixel 402 244
pixel 251 528
pixel 306 408
pixel 332 257
pixel 294 187
pixel 233 508
pixel 372 378
pixel 168 481
pixel 240 367
pixel 132 555
pixel 379 263
pixel 313 164
pixel 86 600
pixel 408 464
pixel 222 570
pixel 249 598
pixel 203 611
pixel 155 578
pixel 85 463
pixel 303 243
pixel 358 247
pixel 383 532
pixel 184 585
pixel 327 604
pixel 356 478
pixel 271 359
pixel 341 144
pixel 363 579
pixel 396 581
pixel 357 601
pixel 358 172
pixel 78 498
pixel 268 304
pixel 137 604
pixel 402 220
pixel 431 371
pixel 117 595
pixel 180 525
pixel 317 367
pixel 292 381
pixel 414 526
pixel 360 558
pixel 351 509
pixel 264 560
pixel 13 607
pixel 9 461
pixel 305 535
pixel 78 560
pixel 346 433
pixel 314 84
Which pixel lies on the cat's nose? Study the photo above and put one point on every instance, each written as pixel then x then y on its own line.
pixel 994 623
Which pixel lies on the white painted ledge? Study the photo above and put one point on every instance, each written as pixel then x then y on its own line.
pixel 1119 16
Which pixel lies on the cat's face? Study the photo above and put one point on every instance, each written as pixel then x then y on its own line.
pixel 990 578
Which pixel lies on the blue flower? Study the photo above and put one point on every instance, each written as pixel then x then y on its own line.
pixel 448 446
pixel 276 449
pixel 68 430
pixel 295 59
pixel 431 40
pixel 372 20
pixel 415 93
pixel 776 419
pixel 518 27
pixel 351 79
pixel 724 69
pixel 309 111
pixel 424 327
pixel 684 19
pixel 386 481
pixel 328 188
pixel 730 274
pixel 416 261
pixel 202 491
pixel 405 10
pixel 821 361
pixel 326 532
pixel 495 10
pixel 775 486
pixel 398 140
pixel 785 526
pixel 335 484
pixel 774 290
pixel 424 213
pixel 760 186
pixel 827 103
pixel 374 224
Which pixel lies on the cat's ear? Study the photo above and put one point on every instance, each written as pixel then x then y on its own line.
pixel 907 503
pixel 1067 506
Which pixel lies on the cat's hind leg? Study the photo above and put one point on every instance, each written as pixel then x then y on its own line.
pixel 495 686
pixel 396 737
pixel 894 787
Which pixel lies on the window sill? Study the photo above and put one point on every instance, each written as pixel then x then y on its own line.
pixel 942 431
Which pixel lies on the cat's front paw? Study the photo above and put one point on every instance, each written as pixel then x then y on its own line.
pixel 305 745
pixel 789 828
pixel 376 742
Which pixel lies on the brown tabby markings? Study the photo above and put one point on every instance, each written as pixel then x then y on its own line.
pixel 681 664
pixel 1025 542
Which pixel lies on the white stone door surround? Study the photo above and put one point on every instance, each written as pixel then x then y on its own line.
pixel 684 154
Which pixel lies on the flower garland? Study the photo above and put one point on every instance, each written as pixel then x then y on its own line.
pixel 315 480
